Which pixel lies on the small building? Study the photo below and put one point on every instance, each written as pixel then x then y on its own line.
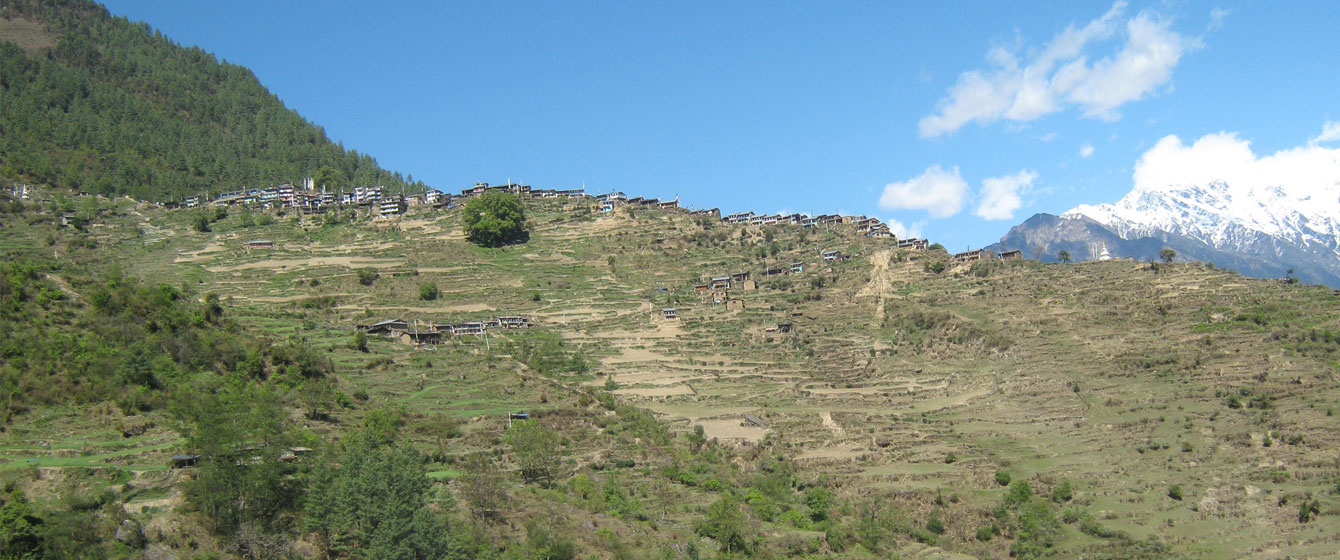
pixel 734 305
pixel 669 204
pixel 1010 255
pixel 387 328
pixel 748 285
pixel 831 255
pixel 797 267
pixel 739 276
pixel 391 206
pixel 259 244
pixel 702 288
pixel 669 313
pixel 513 322
pixel 774 271
pixel 720 296
pixel 473 327
pixel 969 256
pixel 419 338
pixel 719 283
pixel 783 328
pixel 184 461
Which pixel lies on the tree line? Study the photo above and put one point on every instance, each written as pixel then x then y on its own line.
pixel 117 108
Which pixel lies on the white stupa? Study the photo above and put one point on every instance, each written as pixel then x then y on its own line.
pixel 1104 255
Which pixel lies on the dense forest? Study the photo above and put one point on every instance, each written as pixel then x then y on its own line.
pixel 100 104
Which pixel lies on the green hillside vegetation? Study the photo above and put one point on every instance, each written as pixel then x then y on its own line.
pixel 99 104
pixel 918 407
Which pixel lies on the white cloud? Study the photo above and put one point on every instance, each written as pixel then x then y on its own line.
pixel 1061 75
pixel 1330 132
pixel 1217 16
pixel 1086 150
pixel 937 191
pixel 1001 195
pixel 904 231
pixel 1308 171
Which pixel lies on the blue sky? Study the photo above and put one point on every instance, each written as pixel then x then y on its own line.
pixel 954 120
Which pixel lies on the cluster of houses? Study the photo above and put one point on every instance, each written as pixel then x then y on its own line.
pixel 308 200
pixel 436 333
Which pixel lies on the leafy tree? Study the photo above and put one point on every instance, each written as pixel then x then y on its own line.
pixel 366 276
pixel 360 342
pixel 1063 256
pixel 482 487
pixel 240 430
pixel 371 501
pixel 1167 255
pixel 535 449
pixel 428 291
pixel 495 219
pixel 697 438
pixel 725 523
pixel 20 528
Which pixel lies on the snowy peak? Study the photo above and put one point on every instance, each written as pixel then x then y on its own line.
pixel 1223 216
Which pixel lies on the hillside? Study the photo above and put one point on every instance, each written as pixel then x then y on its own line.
pixel 103 105
pixel 1108 409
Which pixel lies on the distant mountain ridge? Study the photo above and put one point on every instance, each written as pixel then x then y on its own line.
pixel 101 104
pixel 1258 231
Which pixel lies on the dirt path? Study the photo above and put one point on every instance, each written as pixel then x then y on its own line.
pixel 878 285
pixel 827 418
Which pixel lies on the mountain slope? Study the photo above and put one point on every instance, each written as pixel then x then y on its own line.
pixel 100 104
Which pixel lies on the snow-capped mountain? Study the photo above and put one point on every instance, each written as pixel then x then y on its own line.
pixel 1225 217
pixel 1264 231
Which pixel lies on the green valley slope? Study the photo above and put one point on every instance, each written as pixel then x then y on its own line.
pixel 1153 411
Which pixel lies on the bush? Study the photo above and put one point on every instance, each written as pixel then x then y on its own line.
pixel 984 534
pixel 366 276
pixel 1063 492
pixel 1002 477
pixel 428 291
pixel 1175 492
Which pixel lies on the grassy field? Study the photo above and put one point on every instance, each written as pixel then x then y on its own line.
pixel 1118 380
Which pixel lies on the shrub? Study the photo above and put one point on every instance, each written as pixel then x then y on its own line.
pixel 1002 477
pixel 1175 492
pixel 428 291
pixel 984 534
pixel 366 276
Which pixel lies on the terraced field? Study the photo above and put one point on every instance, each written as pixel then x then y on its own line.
pixel 1119 379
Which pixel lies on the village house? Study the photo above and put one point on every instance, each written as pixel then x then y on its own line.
pixel 797 267
pixel 670 313
pixel 739 276
pixel 669 204
pixel 702 288
pixel 734 305
pixel 513 322
pixel 779 328
pixel 719 283
pixel 740 217
pixel 774 271
pixel 611 197
pixel 421 338
pixel 831 255
pixel 259 244
pixel 391 206
pixel 720 296
pixel 969 256
pixel 387 328
pixel 710 212
pixel 1010 255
